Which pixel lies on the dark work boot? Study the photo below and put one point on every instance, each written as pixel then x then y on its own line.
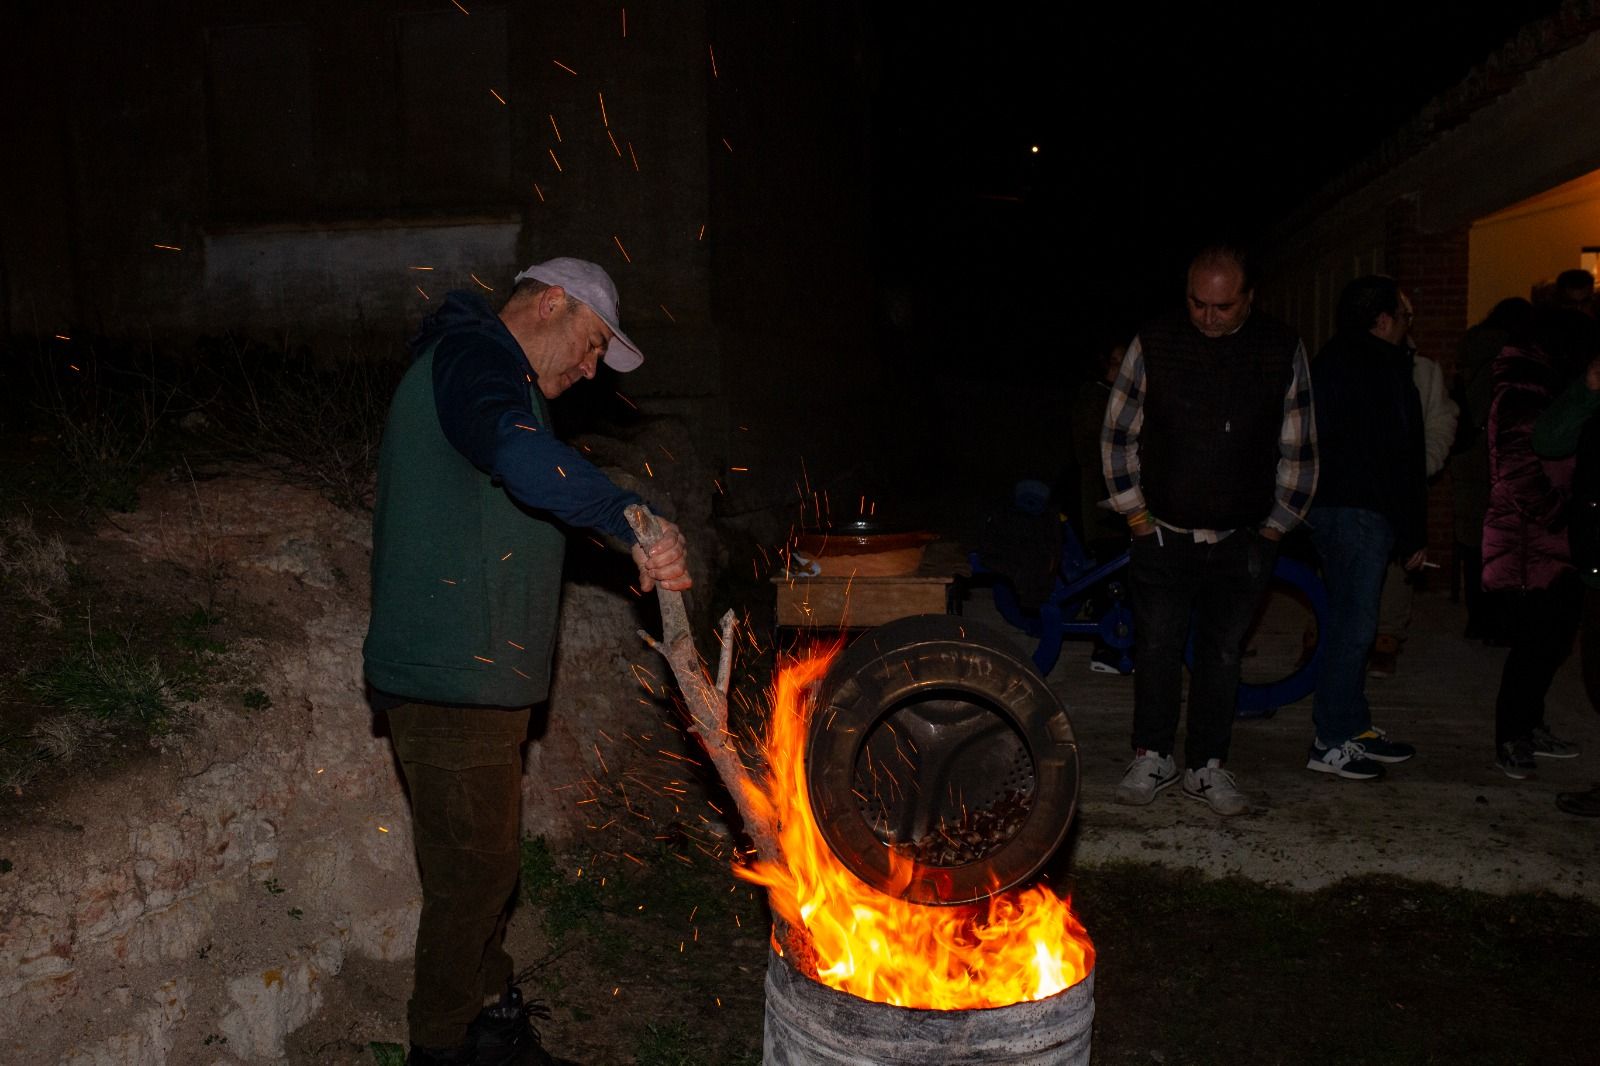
pixel 503 1034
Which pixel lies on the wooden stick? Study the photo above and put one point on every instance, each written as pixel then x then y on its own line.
pixel 707 701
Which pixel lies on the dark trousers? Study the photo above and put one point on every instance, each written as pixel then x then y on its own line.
pixel 1485 608
pixel 1219 586
pixel 463 769
pixel 1542 623
pixel 1589 642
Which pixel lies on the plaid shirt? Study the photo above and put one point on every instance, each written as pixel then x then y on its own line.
pixel 1297 446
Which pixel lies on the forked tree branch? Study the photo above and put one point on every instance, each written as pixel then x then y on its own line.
pixel 707 701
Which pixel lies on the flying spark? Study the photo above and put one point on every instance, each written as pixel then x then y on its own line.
pixel 604 121
pixel 459 8
pixel 564 67
pixel 666 312
pixel 632 156
pixel 554 160
pixel 713 53
pixel 614 146
pixel 621 249
pixel 497 96
pixel 556 128
pixel 480 281
pixel 424 295
pixel 169 247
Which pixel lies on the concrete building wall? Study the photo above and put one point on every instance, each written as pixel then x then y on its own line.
pixel 314 173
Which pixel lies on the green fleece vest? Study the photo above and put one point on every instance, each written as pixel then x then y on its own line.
pixel 466 583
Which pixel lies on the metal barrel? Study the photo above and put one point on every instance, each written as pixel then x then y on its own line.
pixel 809 1024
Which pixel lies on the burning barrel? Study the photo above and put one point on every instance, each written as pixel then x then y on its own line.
pixel 810 1024
pixel 922 778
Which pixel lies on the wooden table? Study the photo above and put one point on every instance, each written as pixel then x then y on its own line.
pixel 862 602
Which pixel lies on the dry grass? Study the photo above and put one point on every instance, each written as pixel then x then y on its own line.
pixel 34 567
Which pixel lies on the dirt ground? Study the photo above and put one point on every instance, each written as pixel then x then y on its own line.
pixel 1446 915
pixel 1190 970
pixel 1284 936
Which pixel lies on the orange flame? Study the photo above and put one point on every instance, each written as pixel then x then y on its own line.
pixel 1025 944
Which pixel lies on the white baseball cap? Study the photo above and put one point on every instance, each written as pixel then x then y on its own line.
pixel 592 286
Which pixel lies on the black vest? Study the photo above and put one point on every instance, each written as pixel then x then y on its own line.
pixel 1213 412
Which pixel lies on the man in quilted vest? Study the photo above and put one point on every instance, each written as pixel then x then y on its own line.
pixel 1209 453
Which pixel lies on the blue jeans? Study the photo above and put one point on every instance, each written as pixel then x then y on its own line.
pixel 1355 545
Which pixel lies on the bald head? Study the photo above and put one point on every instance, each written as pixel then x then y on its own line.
pixel 1219 292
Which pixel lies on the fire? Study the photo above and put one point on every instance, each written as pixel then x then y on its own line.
pixel 1022 945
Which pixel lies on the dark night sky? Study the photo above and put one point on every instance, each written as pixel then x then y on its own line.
pixel 1158 127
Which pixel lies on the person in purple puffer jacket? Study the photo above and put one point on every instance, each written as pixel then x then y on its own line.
pixel 1525 547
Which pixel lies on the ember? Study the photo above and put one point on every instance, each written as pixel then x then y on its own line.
pixel 1021 945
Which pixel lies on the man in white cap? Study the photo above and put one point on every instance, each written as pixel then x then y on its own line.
pixel 473 489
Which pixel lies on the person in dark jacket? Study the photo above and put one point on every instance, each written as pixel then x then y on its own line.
pixel 1569 427
pixel 1370 507
pixel 1210 455
pixel 466 583
pixel 1526 552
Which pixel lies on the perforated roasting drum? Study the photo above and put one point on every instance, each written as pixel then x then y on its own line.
pixel 932 739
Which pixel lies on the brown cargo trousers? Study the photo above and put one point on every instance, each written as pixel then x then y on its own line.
pixel 463 771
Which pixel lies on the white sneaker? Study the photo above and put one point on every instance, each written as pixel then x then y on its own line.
pixel 1149 773
pixel 1213 785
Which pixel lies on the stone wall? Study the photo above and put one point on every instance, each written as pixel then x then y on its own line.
pixel 193 906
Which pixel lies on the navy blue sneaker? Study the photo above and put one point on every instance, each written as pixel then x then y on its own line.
pixel 1515 760
pixel 1550 746
pixel 1348 760
pixel 1379 748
